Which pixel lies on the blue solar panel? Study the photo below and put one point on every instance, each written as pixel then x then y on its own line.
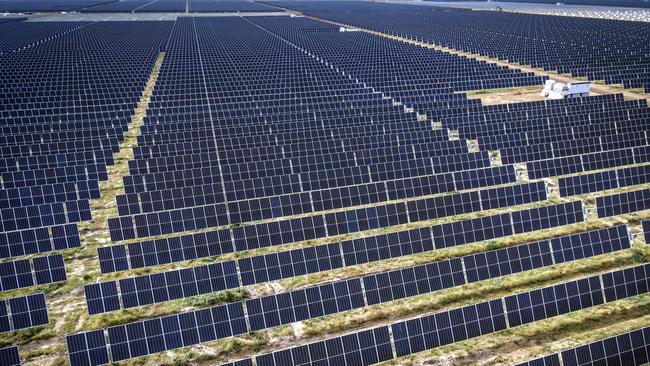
pixel 176 331
pixel 448 327
pixel 630 348
pixel 5 326
pixel 87 349
pixel 626 283
pixel 398 284
pixel 102 297
pixel 551 360
pixel 28 311
pixel 547 217
pixel 16 274
pixel 553 301
pixel 622 203
pixel 49 269
pixel 9 356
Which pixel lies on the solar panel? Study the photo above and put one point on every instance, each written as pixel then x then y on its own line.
pixel 582 184
pixel 176 331
pixel 625 349
pixel 169 250
pixel 28 311
pixel 9 356
pixel 297 262
pixel 591 243
pixel 513 195
pixel 112 259
pixel 379 247
pixel 16 274
pixel 87 348
pixel 547 217
pixel 493 176
pixel 551 360
pixel 633 176
pixel 626 283
pixel 447 327
pixel 472 230
pixel 41 240
pixel 102 297
pixel 501 262
pixel 398 284
pixel 312 302
pixel 44 215
pixel 5 326
pixel 630 348
pixel 50 269
pixel 622 203
pixel 177 284
pixel 363 348
pixel 553 301
pixel 443 206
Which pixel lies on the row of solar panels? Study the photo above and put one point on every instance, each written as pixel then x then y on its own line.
pixel 68 92
pixel 324 257
pixel 54 149
pixel 163 200
pixel 630 348
pixel 338 223
pixel 433 331
pixel 369 346
pixel 320 226
pixel 377 288
pixel 210 216
pixel 39 240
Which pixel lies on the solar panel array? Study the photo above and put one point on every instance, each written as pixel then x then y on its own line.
pixel 442 328
pixel 621 3
pixel 176 249
pixel 218 150
pixel 137 339
pixel 630 348
pixel 19 6
pixel 269 131
pixel 604 51
pixel 142 290
pixel 68 93
pixel 179 6
pixel 622 203
pixel 293 163
pixel 372 346
pixel 59 134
